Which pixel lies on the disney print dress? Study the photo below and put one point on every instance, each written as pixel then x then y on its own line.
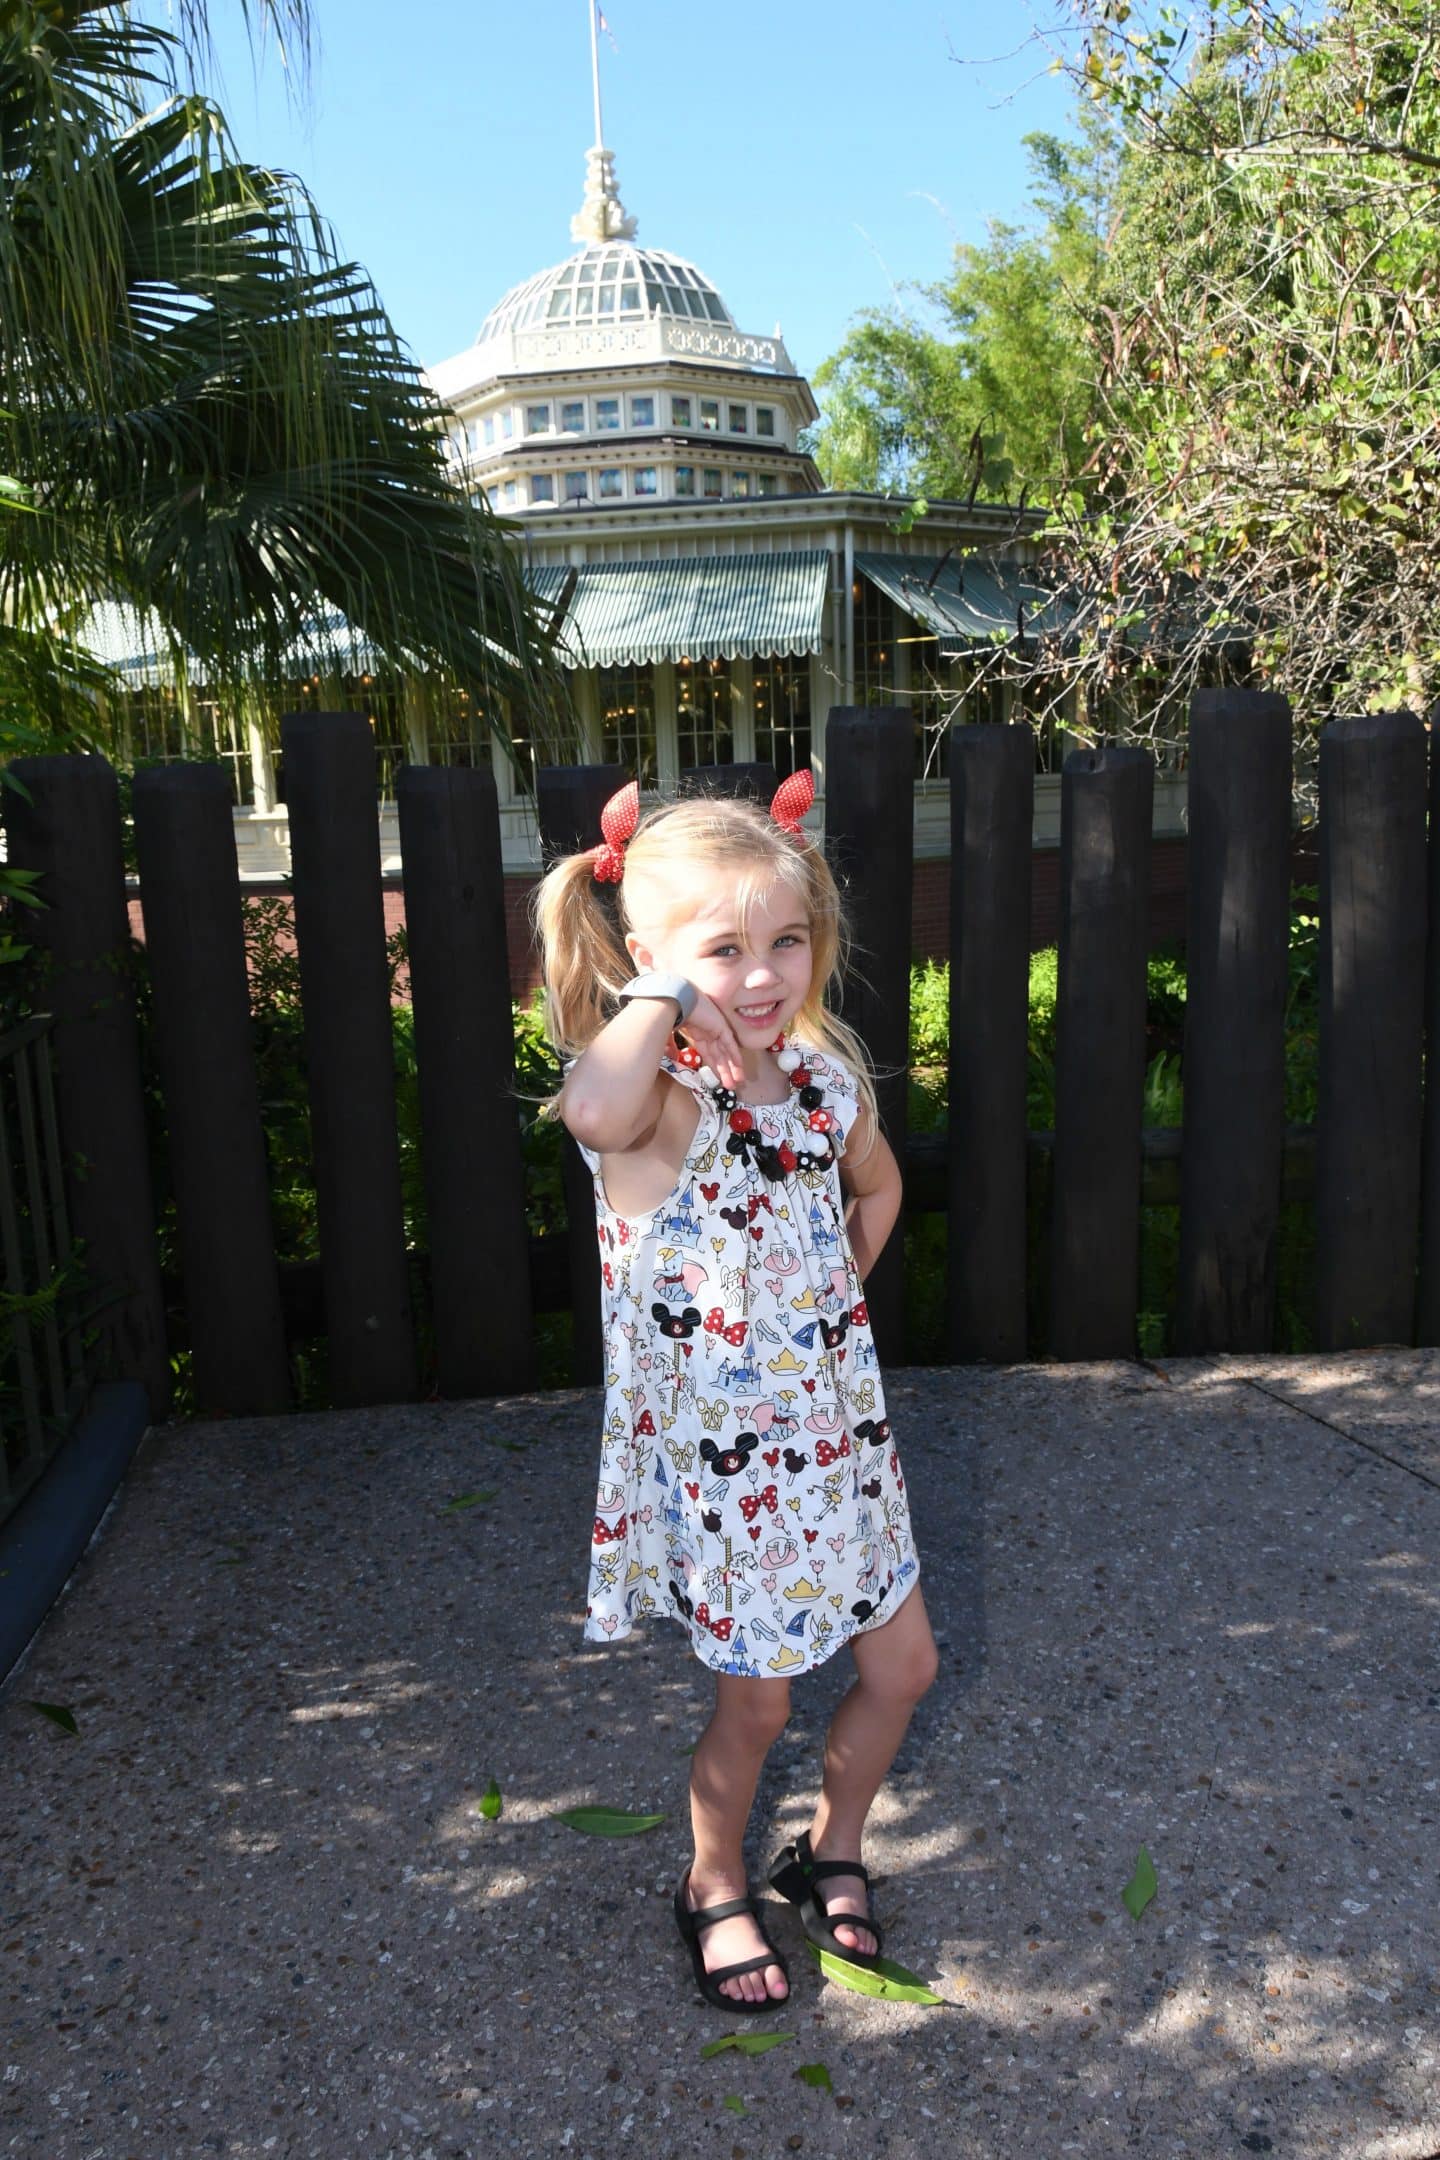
pixel 749 1485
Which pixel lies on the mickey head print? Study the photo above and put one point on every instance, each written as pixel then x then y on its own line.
pixel 730 1461
pixel 679 1326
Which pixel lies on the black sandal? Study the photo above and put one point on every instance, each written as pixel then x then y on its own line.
pixel 691 1924
pixel 795 1875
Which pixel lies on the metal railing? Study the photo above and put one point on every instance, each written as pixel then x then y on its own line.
pixel 42 1361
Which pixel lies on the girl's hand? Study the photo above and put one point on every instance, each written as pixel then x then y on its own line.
pixel 711 1033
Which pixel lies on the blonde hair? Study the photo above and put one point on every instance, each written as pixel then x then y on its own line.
pixel 581 936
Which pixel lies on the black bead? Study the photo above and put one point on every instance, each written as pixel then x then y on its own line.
pixel 811 1097
pixel 726 1097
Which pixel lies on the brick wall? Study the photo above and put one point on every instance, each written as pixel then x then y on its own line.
pixel 931 904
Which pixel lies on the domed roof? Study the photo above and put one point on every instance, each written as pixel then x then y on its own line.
pixel 612 282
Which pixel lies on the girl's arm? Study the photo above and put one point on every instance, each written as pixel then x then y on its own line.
pixel 871 1175
pixel 614 1092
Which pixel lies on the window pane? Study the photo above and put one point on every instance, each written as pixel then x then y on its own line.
pixel 738 419
pixel 576 487
pixel 627 721
pixel 605 300
pixel 489 427
pixel 630 299
pixel 572 418
pixel 509 491
pixel 542 488
pixel 607 412
pixel 684 480
pixel 705 733
pixel 679 412
pixel 766 484
pixel 713 483
pixel 710 413
pixel 537 419
pixel 740 483
pixel 874 645
pixel 645 480
pixel 459 735
pixel 507 422
pixel 764 420
pixel 782 713
pixel 611 482
pixel 642 412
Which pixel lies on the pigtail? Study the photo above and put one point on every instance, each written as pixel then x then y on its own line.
pixel 583 956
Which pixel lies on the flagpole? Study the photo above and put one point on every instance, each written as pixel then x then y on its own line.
pixel 595 68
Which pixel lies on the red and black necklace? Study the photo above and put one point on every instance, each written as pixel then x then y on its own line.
pixel 770 1160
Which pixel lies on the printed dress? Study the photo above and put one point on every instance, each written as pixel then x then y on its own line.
pixel 749 1485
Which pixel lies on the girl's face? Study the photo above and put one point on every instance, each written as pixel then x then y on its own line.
pixel 758 982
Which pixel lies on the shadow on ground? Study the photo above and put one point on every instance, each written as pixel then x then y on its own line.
pixel 251 1906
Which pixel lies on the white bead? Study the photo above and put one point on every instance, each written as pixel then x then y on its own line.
pixel 704 1073
pixel 789 1060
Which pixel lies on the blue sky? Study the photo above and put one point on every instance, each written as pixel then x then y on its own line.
pixel 807 157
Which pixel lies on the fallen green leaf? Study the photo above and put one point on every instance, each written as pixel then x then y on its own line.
pixel 735 2104
pixel 511 1447
pixel 688 1750
pixel 896 1983
pixel 58 1714
pixel 1142 1885
pixel 470 1499
pixel 744 2043
pixel 490 1802
pixel 606 1821
pixel 815 2074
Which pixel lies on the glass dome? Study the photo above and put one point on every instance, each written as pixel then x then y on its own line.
pixel 615 282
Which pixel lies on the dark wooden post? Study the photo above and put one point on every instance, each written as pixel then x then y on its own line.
pixel 569 800
pixel 755 782
pixel 1237 948
pixel 1372 984
pixel 465 1049
pixel 870 842
pixel 1106 810
pixel 68 830
pixel 195 939
pixel 349 1054
pixel 992 790
pixel 1427 1310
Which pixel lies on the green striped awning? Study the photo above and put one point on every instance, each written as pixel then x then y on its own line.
pixel 966 599
pixel 730 607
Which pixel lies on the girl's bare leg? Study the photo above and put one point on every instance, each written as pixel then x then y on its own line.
pixel 748 1717
pixel 894 1665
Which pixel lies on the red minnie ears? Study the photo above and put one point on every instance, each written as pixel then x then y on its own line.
pixel 621 814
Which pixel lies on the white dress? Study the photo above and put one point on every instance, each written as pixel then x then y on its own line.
pixel 749 1485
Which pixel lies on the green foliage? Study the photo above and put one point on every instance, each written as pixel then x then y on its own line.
pixel 975 385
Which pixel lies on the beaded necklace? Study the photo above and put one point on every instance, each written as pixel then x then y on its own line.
pixel 745 1134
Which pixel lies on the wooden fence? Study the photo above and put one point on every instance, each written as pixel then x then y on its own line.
pixel 1371 1164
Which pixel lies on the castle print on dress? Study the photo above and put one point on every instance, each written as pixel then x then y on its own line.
pixel 749 1485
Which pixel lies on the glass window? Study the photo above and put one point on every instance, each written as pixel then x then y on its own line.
pixel 704 723
pixel 489 427
pixel 507 423
pixel 710 414
pixel 542 487
pixel 384 709
pixel 679 412
pixel 605 300
pixel 714 483
pixel 577 486
pixel 642 412
pixel 559 305
pixel 492 496
pixel 629 299
pixel 874 645
pixel 611 481
pixel 767 484
pixel 644 481
pixel 537 419
pixel 607 412
pixel 782 713
pixel 510 491
pixel 457 734
pixel 764 420
pixel 739 420
pixel 684 479
pixel 739 483
pixel 627 720
pixel 572 417
pixel 473 434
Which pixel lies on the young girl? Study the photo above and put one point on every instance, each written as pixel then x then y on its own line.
pixel 749 1486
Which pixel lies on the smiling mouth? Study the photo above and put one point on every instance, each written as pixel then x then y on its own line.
pixel 756 1013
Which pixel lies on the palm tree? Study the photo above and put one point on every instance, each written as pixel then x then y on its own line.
pixel 210 413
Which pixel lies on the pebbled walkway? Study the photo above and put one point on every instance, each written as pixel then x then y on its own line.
pixel 251 1908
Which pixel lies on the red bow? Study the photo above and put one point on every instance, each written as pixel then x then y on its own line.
pixel 618 820
pixel 792 799
pixel 720 1629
